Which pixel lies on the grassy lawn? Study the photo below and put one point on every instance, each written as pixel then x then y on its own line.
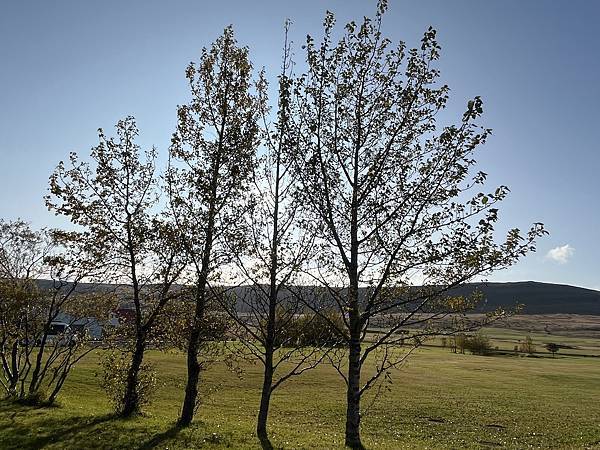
pixel 438 400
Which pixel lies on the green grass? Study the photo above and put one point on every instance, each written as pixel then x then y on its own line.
pixel 438 400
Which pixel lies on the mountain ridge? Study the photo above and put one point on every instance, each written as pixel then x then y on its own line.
pixel 537 297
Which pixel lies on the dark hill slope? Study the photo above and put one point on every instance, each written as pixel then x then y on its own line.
pixel 538 298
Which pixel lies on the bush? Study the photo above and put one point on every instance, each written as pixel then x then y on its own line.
pixel 478 344
pixel 113 379
pixel 527 346
pixel 323 329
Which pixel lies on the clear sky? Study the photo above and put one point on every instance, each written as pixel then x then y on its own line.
pixel 70 67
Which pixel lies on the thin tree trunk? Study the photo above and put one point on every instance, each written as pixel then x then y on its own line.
pixel 14 378
pixel 57 387
pixel 193 365
pixel 34 383
pixel 353 396
pixel 354 319
pixel 131 397
pixel 193 373
pixel 188 407
pixel 265 400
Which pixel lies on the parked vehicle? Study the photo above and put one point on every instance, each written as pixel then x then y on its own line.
pixel 60 333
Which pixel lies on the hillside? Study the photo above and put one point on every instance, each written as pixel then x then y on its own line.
pixel 538 298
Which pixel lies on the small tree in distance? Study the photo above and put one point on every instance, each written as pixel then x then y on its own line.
pixel 552 348
pixel 459 341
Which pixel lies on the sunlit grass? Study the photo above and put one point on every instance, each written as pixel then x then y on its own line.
pixel 438 400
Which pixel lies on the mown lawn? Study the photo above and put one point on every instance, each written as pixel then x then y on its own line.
pixel 438 400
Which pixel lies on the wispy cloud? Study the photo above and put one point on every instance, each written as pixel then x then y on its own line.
pixel 561 254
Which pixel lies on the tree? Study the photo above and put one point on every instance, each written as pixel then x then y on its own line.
pixel 37 357
pixel 273 324
pixel 459 342
pixel 212 157
pixel 115 200
pixel 552 348
pixel 391 191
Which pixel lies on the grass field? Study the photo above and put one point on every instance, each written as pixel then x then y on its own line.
pixel 438 400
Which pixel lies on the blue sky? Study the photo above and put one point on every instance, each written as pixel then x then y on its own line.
pixel 70 67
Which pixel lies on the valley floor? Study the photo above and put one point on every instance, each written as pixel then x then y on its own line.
pixel 437 400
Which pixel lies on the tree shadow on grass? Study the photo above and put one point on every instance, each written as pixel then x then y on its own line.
pixel 265 443
pixel 24 427
pixel 158 439
pixel 32 427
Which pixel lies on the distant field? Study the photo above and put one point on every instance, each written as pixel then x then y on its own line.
pixel 576 325
pixel 438 400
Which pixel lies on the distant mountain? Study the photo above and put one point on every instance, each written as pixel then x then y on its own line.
pixel 538 298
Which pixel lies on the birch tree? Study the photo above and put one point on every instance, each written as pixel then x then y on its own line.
pixel 396 194
pixel 114 199
pixel 212 158
pixel 269 308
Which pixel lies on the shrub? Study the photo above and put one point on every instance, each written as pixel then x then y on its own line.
pixel 478 344
pixel 527 346
pixel 323 329
pixel 113 379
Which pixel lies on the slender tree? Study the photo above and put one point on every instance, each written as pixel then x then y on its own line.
pixel 212 158
pixel 392 191
pixel 114 199
pixel 267 309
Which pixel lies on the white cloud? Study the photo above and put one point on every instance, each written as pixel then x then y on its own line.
pixel 561 254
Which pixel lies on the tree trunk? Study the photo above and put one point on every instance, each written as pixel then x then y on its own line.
pixel 267 389
pixel 353 396
pixel 354 317
pixel 131 398
pixel 34 382
pixel 265 400
pixel 57 387
pixel 193 373
pixel 14 372
pixel 193 365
